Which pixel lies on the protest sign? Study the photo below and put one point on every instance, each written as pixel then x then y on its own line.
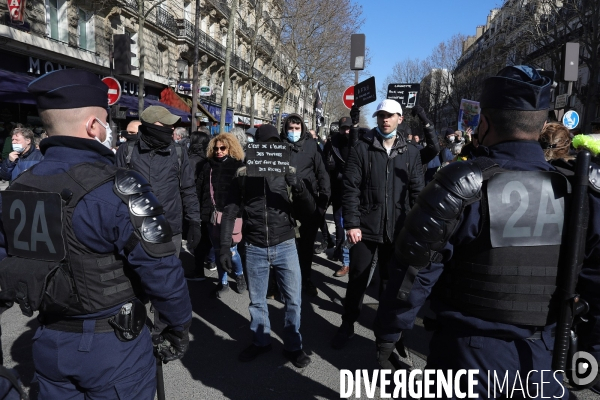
pixel 267 159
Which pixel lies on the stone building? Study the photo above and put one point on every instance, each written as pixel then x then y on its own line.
pixel 77 33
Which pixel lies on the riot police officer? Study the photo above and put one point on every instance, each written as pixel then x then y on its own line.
pixel 488 234
pixel 84 240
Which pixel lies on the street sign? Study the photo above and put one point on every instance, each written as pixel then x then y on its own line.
pixel 570 119
pixel 365 92
pixel 561 101
pixel 205 91
pixel 404 93
pixel 114 89
pixel 348 97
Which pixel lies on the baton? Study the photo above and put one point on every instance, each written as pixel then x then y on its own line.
pixel 576 232
pixel 160 382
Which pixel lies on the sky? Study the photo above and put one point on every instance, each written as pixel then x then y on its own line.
pixel 400 29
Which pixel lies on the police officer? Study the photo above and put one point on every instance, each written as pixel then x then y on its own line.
pixel 487 233
pixel 93 237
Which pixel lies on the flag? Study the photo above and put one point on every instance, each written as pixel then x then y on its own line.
pixel 318 105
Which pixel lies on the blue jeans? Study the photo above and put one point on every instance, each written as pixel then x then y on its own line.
pixel 283 257
pixel 236 261
pixel 340 235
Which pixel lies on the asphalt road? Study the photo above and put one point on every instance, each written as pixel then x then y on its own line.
pixel 220 330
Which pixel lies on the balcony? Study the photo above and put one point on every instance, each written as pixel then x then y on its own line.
pixel 222 6
pixel 245 29
pixel 186 30
pixel 266 46
pixel 167 21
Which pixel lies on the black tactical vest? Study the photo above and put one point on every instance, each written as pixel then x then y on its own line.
pixel 508 273
pixel 48 268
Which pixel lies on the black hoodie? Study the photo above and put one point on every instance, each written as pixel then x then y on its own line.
pixel 307 160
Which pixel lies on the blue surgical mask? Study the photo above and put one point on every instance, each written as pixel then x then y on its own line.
pixel 389 136
pixel 294 136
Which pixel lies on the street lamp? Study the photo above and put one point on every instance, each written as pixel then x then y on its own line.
pixel 181 66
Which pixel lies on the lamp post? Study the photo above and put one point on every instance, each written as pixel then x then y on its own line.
pixel 181 66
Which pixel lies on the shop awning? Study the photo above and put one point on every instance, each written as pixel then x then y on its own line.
pixel 131 102
pixel 216 112
pixel 13 88
pixel 185 99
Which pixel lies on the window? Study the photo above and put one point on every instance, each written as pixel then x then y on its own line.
pixel 187 11
pixel 56 20
pixel 85 28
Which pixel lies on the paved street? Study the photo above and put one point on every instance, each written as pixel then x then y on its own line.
pixel 220 330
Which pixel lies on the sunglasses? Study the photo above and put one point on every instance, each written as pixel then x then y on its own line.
pixel 222 148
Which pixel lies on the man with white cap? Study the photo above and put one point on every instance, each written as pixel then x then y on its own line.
pixel 383 178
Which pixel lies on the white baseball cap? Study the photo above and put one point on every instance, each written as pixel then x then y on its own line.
pixel 388 105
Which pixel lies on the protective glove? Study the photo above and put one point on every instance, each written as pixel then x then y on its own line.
pixel 194 234
pixel 386 357
pixel 420 112
pixel 355 115
pixel 292 180
pixel 226 261
pixel 174 344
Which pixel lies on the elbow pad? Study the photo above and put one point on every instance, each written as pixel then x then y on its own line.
pixel 152 229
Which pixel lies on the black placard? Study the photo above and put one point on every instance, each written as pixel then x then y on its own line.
pixel 365 92
pixel 404 93
pixel 267 159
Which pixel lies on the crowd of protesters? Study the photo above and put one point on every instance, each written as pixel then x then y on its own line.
pixel 260 233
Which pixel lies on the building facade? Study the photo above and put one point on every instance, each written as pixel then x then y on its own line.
pixel 78 33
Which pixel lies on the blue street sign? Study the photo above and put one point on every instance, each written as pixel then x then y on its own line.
pixel 570 119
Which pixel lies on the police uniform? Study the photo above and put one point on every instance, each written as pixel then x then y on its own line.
pixel 84 241
pixel 492 255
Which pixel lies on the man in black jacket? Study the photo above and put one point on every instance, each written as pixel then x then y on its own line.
pixel 308 162
pixel 269 235
pixel 166 166
pixel 382 179
pixel 335 155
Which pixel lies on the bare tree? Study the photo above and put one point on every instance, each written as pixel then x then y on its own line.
pixel 228 51
pixel 316 40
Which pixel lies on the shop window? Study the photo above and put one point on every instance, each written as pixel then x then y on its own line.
pixel 85 28
pixel 56 20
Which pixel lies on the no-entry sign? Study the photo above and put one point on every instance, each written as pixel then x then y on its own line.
pixel 114 89
pixel 348 97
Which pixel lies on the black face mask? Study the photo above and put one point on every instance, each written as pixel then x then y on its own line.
pixel 156 136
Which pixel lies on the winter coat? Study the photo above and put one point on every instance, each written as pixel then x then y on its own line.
pixel 335 163
pixel 379 189
pixel 10 170
pixel 172 183
pixel 197 155
pixel 223 174
pixel 308 161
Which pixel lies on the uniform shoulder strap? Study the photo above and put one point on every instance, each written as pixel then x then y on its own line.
pixel 488 167
pixel 130 146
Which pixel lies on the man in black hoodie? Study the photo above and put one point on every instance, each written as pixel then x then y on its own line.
pixel 382 178
pixel 310 168
pixel 269 235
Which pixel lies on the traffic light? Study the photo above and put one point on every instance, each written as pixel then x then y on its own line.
pixel 122 54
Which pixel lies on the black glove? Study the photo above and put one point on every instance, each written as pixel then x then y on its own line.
pixel 420 112
pixel 226 261
pixel 355 115
pixel 386 357
pixel 292 180
pixel 194 234
pixel 174 344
